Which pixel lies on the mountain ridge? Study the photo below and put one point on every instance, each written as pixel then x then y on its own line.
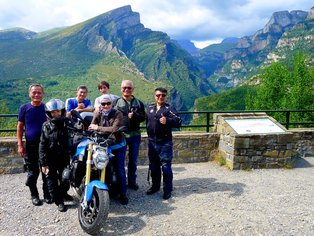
pixel 116 45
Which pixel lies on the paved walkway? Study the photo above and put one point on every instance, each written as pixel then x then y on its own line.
pixel 208 200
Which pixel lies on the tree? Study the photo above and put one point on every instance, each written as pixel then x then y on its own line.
pixel 286 86
pixel 6 123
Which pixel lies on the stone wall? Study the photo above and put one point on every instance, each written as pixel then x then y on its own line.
pixel 10 162
pixel 188 147
pixel 260 150
pixel 200 147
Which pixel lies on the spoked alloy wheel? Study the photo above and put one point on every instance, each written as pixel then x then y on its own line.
pixel 94 217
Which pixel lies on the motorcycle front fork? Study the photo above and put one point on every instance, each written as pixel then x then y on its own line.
pixel 89 173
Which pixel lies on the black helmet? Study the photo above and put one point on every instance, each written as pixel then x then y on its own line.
pixel 54 104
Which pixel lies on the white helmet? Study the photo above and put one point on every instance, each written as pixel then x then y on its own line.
pixel 54 104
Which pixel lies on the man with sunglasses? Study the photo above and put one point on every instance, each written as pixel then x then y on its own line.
pixel 133 111
pixel 161 118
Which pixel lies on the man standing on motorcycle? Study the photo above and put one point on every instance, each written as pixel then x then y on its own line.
pixel 161 118
pixel 108 120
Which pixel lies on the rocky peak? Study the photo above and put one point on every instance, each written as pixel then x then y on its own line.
pixel 311 13
pixel 283 19
pixel 102 29
pixel 269 35
pixel 122 17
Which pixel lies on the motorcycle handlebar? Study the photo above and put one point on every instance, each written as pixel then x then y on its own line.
pixel 100 138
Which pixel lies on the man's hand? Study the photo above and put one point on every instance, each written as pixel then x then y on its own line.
pixel 93 127
pixel 21 150
pixel 163 119
pixel 130 114
pixel 45 169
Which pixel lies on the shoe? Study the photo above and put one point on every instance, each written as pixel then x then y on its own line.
pixel 48 200
pixel 36 201
pixel 67 197
pixel 166 196
pixel 61 207
pixel 152 190
pixel 133 186
pixel 124 199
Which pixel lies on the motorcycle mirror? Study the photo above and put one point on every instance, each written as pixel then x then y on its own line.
pixel 77 115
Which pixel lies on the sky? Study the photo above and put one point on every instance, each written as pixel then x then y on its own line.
pixel 204 22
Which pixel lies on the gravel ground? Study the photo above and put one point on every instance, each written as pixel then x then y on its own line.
pixel 207 200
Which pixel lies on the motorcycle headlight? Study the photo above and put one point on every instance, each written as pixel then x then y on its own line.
pixel 100 157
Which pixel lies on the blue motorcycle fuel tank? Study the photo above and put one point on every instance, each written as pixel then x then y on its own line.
pixel 81 147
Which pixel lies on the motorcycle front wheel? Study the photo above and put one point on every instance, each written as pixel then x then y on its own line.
pixel 94 217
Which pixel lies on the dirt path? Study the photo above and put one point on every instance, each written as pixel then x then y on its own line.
pixel 207 200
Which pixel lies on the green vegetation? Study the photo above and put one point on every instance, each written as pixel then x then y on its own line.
pixel 220 48
pixel 6 122
pixel 94 50
pixel 286 86
pixel 233 99
pixel 283 85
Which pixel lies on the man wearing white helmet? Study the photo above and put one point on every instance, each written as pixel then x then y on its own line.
pixel 54 153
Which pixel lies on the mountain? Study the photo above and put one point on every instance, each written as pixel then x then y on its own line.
pixel 115 46
pixel 16 34
pixel 211 58
pixel 188 46
pixel 295 39
pixel 243 59
pixel 112 46
pixel 300 37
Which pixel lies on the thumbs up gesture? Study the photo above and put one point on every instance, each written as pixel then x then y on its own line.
pixel 163 119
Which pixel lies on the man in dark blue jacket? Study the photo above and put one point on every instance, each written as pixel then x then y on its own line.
pixel 161 118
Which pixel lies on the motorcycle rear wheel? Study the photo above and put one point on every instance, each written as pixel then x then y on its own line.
pixel 94 217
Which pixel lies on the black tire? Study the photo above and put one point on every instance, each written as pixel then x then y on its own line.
pixel 94 218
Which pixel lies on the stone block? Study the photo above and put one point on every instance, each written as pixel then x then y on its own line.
pixel 183 144
pixel 226 148
pixel 256 141
pixel 193 143
pixel 231 165
pixel 185 153
pixel 272 153
pixel 242 142
pixel 285 138
pixel 241 159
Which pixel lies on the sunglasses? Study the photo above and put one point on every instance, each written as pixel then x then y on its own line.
pixel 106 103
pixel 161 95
pixel 125 88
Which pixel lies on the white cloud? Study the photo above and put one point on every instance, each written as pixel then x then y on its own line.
pixel 203 44
pixel 198 20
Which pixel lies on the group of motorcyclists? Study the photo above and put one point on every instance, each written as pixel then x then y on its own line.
pixel 47 150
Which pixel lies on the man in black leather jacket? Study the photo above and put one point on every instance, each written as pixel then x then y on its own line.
pixel 54 151
pixel 161 118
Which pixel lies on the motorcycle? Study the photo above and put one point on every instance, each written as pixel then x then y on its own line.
pixel 88 175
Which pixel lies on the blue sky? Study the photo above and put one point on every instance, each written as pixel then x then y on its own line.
pixel 201 21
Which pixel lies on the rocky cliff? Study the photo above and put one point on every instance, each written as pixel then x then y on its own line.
pixel 252 51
